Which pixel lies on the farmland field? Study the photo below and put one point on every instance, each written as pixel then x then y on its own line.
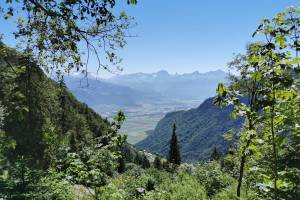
pixel 141 120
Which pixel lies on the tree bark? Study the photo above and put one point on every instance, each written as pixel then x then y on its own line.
pixel 243 161
pixel 274 146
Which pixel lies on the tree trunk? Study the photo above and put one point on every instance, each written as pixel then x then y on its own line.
pixel 274 147
pixel 238 191
pixel 243 161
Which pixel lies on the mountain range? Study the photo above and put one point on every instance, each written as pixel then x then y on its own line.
pixel 142 88
pixel 188 86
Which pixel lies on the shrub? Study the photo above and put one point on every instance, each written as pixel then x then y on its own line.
pixel 179 187
pixel 134 170
pixel 212 178
pixel 150 184
pixel 51 187
pixel 111 192
pixel 230 194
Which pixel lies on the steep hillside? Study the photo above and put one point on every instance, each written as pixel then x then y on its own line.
pixel 38 105
pixel 198 130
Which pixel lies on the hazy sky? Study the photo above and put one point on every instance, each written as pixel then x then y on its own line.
pixel 184 36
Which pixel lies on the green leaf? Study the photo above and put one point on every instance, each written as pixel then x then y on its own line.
pixel 228 137
pixel 281 40
pixel 132 1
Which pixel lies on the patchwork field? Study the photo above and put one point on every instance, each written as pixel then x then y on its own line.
pixel 141 120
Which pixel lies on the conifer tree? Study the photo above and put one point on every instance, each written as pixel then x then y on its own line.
pixel 157 163
pixel 215 154
pixel 145 162
pixel 121 165
pixel 138 159
pixel 174 153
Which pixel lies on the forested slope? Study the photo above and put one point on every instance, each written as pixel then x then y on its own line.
pixel 198 131
pixel 37 103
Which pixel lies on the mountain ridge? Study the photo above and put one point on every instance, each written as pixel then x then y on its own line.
pixel 189 86
pixel 198 130
pixel 99 92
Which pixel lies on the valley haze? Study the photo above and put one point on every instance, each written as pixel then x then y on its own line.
pixel 145 98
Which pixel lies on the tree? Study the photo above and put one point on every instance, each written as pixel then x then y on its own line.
pixel 121 165
pixel 2 114
pixel 281 81
pixel 145 162
pixel 229 162
pixel 138 159
pixel 174 153
pixel 6 144
pixel 57 32
pixel 268 83
pixel 45 148
pixel 157 163
pixel 215 154
pixel 165 165
pixel 96 161
pixel 246 85
pixel 25 94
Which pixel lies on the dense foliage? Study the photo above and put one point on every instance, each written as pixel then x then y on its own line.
pixel 45 127
pixel 268 76
pixel 36 104
pixel 59 34
pixel 206 181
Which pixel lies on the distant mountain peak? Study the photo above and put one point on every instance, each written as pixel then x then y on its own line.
pixel 187 86
pixel 163 72
pixel 218 71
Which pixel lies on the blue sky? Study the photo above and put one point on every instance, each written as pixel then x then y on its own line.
pixel 184 36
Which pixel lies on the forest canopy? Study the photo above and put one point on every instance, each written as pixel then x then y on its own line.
pixel 62 35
